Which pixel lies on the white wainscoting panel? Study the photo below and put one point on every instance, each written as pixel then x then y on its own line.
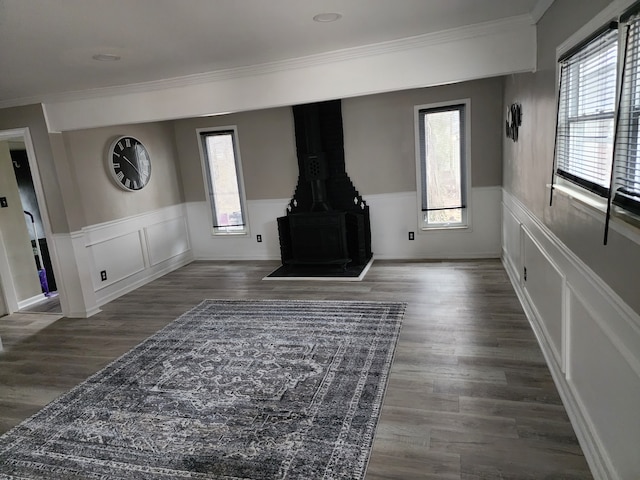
pixel 544 287
pixel 393 216
pixel 590 339
pixel 135 250
pixel 591 375
pixel 511 243
pixel 262 221
pixel 119 256
pixel 166 240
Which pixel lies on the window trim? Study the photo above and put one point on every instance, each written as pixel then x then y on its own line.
pixel 628 122
pixel 200 135
pixel 565 177
pixel 465 166
pixel 586 32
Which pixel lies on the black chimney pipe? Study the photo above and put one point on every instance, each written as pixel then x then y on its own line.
pixel 327 221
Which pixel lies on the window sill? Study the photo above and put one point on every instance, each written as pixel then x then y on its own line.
pixel 229 234
pixel 441 228
pixel 623 222
pixel 582 198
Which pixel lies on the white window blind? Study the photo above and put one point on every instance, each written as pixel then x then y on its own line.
pixel 626 177
pixel 586 112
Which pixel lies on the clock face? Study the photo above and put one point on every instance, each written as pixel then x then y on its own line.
pixel 129 163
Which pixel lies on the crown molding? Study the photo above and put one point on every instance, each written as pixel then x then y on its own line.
pixel 539 9
pixel 609 13
pixel 337 56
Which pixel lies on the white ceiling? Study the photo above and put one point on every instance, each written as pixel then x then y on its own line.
pixel 49 44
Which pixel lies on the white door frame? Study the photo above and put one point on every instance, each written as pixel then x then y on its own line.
pixel 7 287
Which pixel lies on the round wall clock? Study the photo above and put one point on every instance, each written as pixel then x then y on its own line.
pixel 129 163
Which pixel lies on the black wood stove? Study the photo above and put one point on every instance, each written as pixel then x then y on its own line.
pixel 327 221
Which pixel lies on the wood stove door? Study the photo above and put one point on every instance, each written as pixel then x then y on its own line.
pixel 319 238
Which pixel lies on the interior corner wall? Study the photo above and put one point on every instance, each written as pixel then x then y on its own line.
pixel 15 236
pixel 3 307
pixel 119 239
pixel 103 201
pixel 580 296
pixel 69 279
pixel 68 182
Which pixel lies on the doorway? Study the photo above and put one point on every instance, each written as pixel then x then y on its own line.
pixel 27 279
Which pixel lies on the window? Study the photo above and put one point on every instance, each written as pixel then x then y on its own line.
pixel 223 174
pixel 626 181
pixel 586 112
pixel 442 168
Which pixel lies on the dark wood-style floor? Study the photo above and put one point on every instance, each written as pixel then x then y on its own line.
pixel 49 305
pixel 469 396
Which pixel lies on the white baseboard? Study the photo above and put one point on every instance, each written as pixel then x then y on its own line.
pixel 439 256
pixel 26 303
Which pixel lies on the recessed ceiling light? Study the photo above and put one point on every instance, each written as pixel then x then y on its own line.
pixel 106 57
pixel 327 17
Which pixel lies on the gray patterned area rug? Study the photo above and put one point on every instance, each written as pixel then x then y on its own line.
pixel 233 389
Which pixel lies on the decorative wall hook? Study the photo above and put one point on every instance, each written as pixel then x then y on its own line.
pixel 514 120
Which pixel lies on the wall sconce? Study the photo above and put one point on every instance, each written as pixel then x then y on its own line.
pixel 514 120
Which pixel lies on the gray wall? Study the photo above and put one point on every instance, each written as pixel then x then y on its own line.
pixel 528 163
pixel 83 155
pixel 267 150
pixel 380 141
pixel 32 116
pixel 3 308
pixel 378 135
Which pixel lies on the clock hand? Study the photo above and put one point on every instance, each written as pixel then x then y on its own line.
pixel 130 163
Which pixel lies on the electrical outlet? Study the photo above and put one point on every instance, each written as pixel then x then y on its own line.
pixel 411 236
pixel 3 202
pixel 103 275
pixel 259 238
